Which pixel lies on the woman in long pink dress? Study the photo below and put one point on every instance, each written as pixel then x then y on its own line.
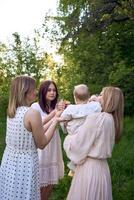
pixel 51 166
pixel 92 145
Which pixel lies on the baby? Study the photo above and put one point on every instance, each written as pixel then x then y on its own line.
pixel 75 114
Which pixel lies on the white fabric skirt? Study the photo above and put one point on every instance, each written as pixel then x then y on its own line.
pixel 91 181
pixel 51 165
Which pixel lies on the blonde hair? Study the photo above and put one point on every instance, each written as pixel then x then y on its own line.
pixel 20 86
pixel 81 92
pixel 113 102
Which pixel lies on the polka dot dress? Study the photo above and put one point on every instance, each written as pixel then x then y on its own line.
pixel 19 171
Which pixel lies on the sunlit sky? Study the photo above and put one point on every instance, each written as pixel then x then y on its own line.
pixel 22 16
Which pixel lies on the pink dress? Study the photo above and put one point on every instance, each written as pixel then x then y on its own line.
pixel 51 165
pixel 90 150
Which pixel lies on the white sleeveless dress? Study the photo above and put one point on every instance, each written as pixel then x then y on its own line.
pixel 19 170
pixel 51 165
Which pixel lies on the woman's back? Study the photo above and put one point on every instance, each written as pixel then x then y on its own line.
pixel 18 137
pixel 19 178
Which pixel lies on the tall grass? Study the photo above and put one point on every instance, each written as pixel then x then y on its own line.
pixel 122 164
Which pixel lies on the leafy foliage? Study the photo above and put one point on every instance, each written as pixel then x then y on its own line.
pixel 24 58
pixel 97 44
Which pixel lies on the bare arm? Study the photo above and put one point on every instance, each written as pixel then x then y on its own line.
pixel 33 123
pixel 59 107
pixel 48 117
pixel 57 114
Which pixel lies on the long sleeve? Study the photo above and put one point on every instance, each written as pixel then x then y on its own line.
pixel 95 138
pixel 77 146
pixel 66 115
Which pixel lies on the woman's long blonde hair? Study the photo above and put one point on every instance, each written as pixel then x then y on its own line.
pixel 20 86
pixel 113 102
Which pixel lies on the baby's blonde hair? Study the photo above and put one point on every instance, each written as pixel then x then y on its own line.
pixel 81 92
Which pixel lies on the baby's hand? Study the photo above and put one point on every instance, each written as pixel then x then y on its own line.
pixel 66 103
pixel 60 105
pixel 58 113
pixel 60 119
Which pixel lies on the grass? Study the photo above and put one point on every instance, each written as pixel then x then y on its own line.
pixel 121 165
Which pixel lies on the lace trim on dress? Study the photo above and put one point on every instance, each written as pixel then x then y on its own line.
pixel 50 175
pixel 50 183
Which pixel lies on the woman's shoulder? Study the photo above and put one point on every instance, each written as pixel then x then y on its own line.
pixel 35 105
pixel 32 112
pixel 99 116
pixel 94 115
pixel 109 120
pixel 100 120
pixel 104 118
pixel 32 115
pixel 107 116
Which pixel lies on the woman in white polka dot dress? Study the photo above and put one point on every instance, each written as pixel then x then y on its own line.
pixel 19 170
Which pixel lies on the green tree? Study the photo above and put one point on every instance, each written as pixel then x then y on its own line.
pixel 96 37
